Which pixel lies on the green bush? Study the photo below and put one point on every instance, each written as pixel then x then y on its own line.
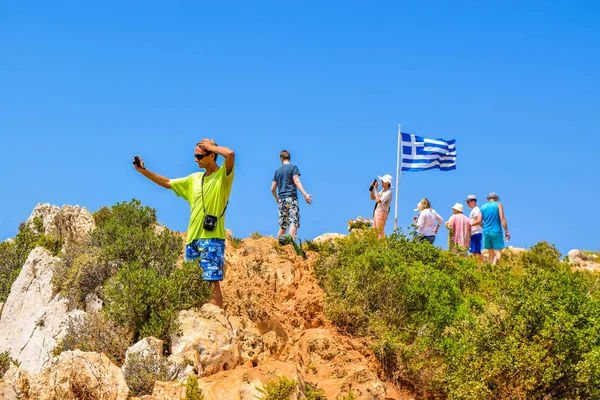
pixel 143 371
pixel 313 393
pixel 14 253
pixel 236 242
pixel 278 389
pixel 93 332
pixel 147 302
pixel 125 238
pixel 81 271
pixel 126 235
pixel 5 362
pixel 192 389
pixel 526 328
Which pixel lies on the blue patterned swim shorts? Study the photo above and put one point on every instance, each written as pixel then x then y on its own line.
pixel 210 254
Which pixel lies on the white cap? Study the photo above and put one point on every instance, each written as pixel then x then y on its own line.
pixel 386 178
pixel 458 207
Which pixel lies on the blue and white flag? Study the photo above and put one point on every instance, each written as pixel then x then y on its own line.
pixel 421 154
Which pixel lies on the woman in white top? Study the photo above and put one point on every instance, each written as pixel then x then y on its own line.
pixel 383 199
pixel 425 222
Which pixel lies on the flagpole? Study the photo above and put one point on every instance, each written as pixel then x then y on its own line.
pixel 398 162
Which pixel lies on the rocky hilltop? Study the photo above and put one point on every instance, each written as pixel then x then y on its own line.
pixel 272 325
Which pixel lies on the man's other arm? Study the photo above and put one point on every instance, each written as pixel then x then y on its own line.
pixel 274 190
pixel 307 197
pixel 154 177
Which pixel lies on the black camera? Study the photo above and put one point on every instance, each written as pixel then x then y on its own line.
pixel 136 161
pixel 372 185
pixel 210 222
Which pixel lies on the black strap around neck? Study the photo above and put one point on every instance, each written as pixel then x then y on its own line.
pixel 204 204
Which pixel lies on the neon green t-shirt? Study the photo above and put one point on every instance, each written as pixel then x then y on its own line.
pixel 217 187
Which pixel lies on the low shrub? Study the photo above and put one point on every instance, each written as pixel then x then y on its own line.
pixel 255 235
pixel 5 362
pixel 14 252
pixel 93 332
pixel 147 302
pixel 192 389
pixel 81 271
pixel 313 393
pixel 278 389
pixel 236 242
pixel 143 371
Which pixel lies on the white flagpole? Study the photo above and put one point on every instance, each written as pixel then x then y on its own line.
pixel 398 162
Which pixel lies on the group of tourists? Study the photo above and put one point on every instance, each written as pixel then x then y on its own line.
pixel 484 229
pixel 208 193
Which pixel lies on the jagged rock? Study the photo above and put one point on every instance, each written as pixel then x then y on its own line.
pixel 32 317
pixel 169 390
pixel 79 375
pixel 335 365
pixel 212 341
pixel 93 303
pixel 9 384
pixel 228 234
pixel 327 237
pixel 146 347
pixel 243 383
pixel 584 260
pixel 72 375
pixel 70 223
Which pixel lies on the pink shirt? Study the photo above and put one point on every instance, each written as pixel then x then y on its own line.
pixel 461 226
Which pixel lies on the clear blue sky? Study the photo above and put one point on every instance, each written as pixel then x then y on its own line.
pixel 517 84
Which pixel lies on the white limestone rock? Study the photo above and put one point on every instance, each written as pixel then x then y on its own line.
pixel 32 317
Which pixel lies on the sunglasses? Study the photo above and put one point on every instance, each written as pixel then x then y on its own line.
pixel 201 156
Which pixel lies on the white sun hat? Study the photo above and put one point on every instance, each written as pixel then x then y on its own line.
pixel 458 207
pixel 386 178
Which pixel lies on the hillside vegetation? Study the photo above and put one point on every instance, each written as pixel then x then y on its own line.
pixel 448 327
pixel 441 326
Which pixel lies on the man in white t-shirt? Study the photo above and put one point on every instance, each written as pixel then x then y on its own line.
pixel 476 227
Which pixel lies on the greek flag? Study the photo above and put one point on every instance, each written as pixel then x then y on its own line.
pixel 421 154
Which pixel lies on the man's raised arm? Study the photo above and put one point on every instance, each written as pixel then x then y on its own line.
pixel 156 178
pixel 226 153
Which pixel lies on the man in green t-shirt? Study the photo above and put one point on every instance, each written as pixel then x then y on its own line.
pixel 208 195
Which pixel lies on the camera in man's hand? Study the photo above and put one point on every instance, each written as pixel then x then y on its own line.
pixel 372 185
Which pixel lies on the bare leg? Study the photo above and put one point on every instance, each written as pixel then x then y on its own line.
pixel 293 230
pixel 280 232
pixel 497 256
pixel 480 257
pixel 217 295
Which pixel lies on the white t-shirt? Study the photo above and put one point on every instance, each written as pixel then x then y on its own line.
pixel 426 222
pixel 474 213
pixel 385 199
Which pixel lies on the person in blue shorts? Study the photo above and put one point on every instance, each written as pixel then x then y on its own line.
pixel 208 195
pixel 476 227
pixel 494 222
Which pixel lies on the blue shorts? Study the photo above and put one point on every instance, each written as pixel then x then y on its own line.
pixel 493 240
pixel 430 239
pixel 476 243
pixel 210 254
